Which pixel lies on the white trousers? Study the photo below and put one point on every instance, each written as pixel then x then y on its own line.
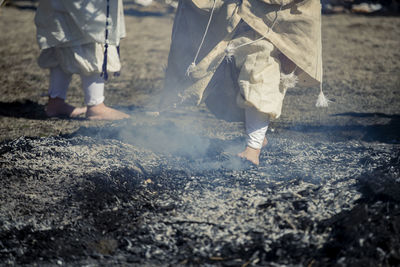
pixel 93 86
pixel 256 127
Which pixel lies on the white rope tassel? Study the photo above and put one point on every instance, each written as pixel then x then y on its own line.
pixel 322 101
pixel 289 80
pixel 229 52
pixel 192 66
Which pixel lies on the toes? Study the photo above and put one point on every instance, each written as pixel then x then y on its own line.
pixel 77 112
pixel 111 117
pixel 249 158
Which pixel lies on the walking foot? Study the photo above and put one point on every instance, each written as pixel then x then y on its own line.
pixel 56 107
pixel 251 154
pixel 102 112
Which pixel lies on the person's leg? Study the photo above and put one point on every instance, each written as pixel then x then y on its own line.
pixel 93 87
pixel 259 83
pixel 256 128
pixel 59 83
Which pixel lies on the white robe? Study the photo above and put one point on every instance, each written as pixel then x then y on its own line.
pixel 71 34
pixel 292 27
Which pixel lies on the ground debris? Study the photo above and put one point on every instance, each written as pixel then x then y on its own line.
pixel 81 200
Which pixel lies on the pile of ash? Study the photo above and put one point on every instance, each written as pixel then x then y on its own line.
pixel 83 199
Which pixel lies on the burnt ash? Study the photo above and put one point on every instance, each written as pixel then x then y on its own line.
pixel 102 197
pixel 370 231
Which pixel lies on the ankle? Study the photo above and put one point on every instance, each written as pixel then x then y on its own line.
pixel 251 154
pixel 96 108
pixel 252 150
pixel 55 100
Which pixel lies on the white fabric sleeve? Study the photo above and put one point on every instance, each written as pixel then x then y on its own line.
pixel 59 83
pixel 256 127
pixel 93 87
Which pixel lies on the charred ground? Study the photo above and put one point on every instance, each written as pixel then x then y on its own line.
pixel 155 191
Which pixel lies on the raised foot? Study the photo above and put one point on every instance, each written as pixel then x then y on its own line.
pixel 251 154
pixel 102 112
pixel 56 107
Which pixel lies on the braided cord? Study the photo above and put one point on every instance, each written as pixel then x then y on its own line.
pixel 104 73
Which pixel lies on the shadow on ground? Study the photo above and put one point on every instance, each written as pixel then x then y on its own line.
pixel 23 4
pixel 379 130
pixel 23 109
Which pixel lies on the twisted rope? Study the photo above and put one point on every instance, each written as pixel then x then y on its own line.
pixel 104 72
pixel 193 64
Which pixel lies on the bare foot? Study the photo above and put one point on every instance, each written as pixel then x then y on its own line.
pixel 265 142
pixel 102 112
pixel 57 107
pixel 251 154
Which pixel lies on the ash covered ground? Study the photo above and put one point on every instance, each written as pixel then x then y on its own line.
pixel 164 190
pixel 119 195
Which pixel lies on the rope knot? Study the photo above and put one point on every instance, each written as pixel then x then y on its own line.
pixel 229 52
pixel 289 80
pixel 191 68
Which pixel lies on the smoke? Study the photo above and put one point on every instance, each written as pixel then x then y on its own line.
pixel 179 137
pixel 187 134
pixel 165 138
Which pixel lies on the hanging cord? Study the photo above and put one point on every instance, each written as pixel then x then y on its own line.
pixel 322 101
pixel 231 49
pixel 104 72
pixel 118 73
pixel 190 69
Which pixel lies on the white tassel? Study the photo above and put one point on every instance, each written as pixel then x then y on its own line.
pixel 322 101
pixel 289 80
pixel 190 69
pixel 229 52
